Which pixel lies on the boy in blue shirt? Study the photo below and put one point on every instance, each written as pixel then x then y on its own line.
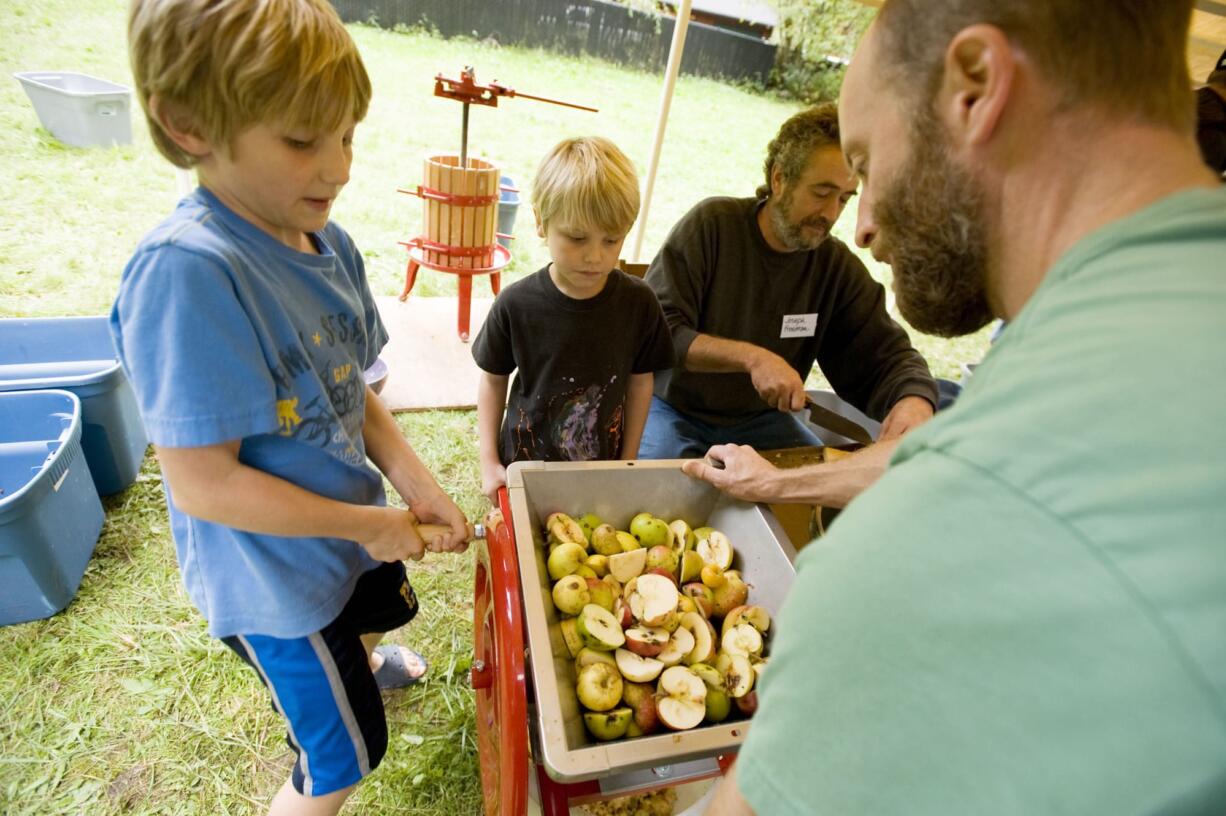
pixel 582 338
pixel 245 322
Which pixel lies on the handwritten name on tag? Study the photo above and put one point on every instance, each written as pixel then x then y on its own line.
pixel 801 325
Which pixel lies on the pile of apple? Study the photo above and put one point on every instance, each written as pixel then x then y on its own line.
pixel 657 622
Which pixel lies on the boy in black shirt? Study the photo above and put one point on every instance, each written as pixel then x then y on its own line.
pixel 584 337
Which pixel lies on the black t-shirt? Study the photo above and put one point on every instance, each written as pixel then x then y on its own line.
pixel 572 361
pixel 717 275
pixel 1211 128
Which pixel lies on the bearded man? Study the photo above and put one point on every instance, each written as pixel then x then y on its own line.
pixel 1026 614
pixel 755 290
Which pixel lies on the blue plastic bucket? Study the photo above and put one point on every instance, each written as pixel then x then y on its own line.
pixel 50 514
pixel 76 354
pixel 508 206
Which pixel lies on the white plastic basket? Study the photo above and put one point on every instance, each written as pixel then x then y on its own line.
pixel 78 109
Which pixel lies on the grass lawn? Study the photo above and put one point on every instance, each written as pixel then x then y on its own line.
pixel 123 704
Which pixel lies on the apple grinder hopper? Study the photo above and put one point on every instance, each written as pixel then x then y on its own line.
pixel 533 699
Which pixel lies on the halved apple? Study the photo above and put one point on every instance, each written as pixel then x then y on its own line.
pixel 755 616
pixel 621 613
pixel 715 549
pixel 743 640
pixel 704 638
pixel 599 629
pixel 739 676
pixel 626 565
pixel 636 668
pixel 646 640
pixel 680 644
pixel 703 597
pixel 691 566
pixel 683 536
pixel 681 701
pixel 587 657
pixel 653 598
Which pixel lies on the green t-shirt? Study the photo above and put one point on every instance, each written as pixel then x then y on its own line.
pixel 1027 614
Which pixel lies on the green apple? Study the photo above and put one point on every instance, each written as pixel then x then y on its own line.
pixel 566 560
pixel 587 523
pixel 570 594
pixel 599 593
pixel 584 571
pixel 609 725
pixel 649 530
pixel 598 629
pixel 732 594
pixel 662 557
pixel 718 703
pixel 627 541
pixel 598 564
pixel 599 687
pixel 641 697
pixel 604 540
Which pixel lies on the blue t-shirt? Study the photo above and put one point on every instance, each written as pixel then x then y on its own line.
pixel 227 334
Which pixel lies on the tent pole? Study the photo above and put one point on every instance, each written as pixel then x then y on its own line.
pixel 666 100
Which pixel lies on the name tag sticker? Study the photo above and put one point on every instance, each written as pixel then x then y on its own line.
pixel 802 325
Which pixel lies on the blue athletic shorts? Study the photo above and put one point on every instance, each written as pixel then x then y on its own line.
pixel 323 687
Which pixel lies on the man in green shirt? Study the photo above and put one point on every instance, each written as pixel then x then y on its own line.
pixel 1026 614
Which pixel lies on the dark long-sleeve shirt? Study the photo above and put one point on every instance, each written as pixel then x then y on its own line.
pixel 717 275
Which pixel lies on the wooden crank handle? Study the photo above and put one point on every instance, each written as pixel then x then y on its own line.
pixel 429 531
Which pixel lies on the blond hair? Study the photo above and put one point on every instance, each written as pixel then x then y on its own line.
pixel 586 182
pixel 228 65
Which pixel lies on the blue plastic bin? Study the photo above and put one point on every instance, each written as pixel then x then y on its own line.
pixel 508 206
pixel 76 354
pixel 50 514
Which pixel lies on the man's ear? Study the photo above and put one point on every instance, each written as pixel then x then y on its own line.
pixel 776 181
pixel 177 123
pixel 540 228
pixel 980 70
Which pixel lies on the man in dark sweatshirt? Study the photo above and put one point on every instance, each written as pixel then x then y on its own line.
pixel 755 290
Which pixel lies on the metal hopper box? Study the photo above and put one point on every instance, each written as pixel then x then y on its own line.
pixel 616 491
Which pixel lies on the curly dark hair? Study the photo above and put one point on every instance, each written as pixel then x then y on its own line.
pixel 797 139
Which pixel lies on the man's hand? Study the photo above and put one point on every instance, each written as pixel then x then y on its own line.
pixel 438 508
pixel 745 474
pixel 907 413
pixel 493 478
pixel 777 382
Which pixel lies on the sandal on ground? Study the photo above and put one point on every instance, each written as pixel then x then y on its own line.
pixel 395 673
